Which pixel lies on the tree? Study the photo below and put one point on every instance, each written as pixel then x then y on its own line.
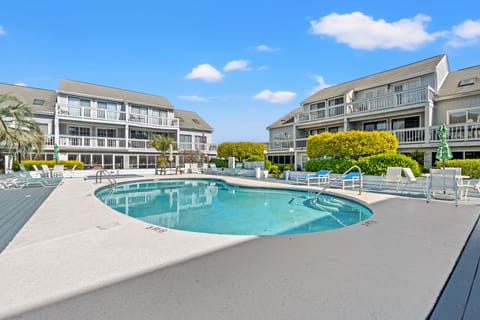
pixel 18 129
pixel 241 150
pixel 161 143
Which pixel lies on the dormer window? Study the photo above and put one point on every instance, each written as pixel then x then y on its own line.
pixel 466 82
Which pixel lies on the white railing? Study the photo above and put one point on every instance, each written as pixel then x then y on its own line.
pixel 410 136
pixel 65 110
pixel 459 132
pixel 403 98
pixel 280 145
pixel 90 142
pixel 391 100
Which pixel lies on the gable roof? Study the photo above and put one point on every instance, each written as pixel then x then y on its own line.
pixel 451 87
pixel 190 120
pixel 397 74
pixel 286 119
pixel 109 93
pixel 39 100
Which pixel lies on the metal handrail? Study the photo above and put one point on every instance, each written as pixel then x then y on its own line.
pixel 98 176
pixel 360 179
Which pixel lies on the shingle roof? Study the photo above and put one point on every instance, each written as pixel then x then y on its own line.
pixel 285 119
pixel 39 100
pixel 381 78
pixel 190 120
pixel 98 91
pixel 450 86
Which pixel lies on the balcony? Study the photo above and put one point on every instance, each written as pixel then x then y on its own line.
pixel 416 96
pixel 79 112
pixel 91 142
pixel 398 99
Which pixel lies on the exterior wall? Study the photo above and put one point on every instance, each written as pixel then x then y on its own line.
pixel 461 103
pixel 441 73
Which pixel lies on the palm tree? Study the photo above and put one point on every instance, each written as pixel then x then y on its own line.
pixel 161 143
pixel 18 130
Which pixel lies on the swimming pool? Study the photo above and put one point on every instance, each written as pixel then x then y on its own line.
pixel 214 206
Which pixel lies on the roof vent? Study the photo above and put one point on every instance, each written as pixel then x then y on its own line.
pixel 39 102
pixel 466 82
pixel 196 121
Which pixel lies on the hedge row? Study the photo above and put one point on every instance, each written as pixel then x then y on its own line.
pixel 50 163
pixel 470 167
pixel 373 165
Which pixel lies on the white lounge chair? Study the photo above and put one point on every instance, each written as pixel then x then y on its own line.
pixel 442 184
pixel 392 177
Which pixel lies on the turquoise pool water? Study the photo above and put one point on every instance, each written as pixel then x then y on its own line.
pixel 213 206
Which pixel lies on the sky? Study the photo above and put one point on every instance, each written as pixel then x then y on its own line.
pixel 241 65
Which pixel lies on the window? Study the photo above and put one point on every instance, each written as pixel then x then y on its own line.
pixel 457 117
pixel 75 106
pixel 372 126
pixel 138 134
pixel 412 122
pixel 139 114
pixel 466 82
pixel 111 108
pixel 79 131
pixel 110 133
pixel 196 121
pixel 316 106
pixel 335 102
pixel 39 102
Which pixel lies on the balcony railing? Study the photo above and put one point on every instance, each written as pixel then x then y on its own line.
pixel 65 110
pixel 468 132
pixel 397 99
pixel 91 142
pixel 388 101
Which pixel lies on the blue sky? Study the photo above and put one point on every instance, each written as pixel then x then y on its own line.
pixel 240 65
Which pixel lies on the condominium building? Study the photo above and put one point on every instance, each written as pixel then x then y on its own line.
pixel 410 101
pixel 111 127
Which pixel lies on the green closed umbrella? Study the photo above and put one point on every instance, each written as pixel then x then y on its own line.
pixel 443 151
pixel 55 152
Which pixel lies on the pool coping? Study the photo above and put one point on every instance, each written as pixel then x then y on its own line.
pixel 53 259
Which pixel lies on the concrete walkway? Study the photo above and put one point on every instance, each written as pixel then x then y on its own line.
pixel 78 259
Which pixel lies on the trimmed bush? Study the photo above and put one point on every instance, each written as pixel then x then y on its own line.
pixel 219 163
pixel 470 167
pixel 352 144
pixel 50 163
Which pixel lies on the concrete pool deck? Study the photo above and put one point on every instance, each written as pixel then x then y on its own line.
pixel 78 259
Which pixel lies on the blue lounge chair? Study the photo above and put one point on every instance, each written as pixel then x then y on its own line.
pixel 319 177
pixel 349 180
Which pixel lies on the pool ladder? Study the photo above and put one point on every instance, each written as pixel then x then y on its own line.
pixel 107 174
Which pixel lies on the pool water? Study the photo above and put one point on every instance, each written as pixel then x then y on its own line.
pixel 213 206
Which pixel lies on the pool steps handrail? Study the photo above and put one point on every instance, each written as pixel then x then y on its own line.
pixel 107 174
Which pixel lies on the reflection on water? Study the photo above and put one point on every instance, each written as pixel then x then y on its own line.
pixel 216 207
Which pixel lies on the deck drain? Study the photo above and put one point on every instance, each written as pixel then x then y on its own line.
pixel 156 229
pixel 368 223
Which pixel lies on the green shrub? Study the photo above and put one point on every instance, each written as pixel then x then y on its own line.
pixel 68 164
pixel 377 165
pixel 351 144
pixel 470 167
pixel 219 163
pixel 339 165
pixel 374 165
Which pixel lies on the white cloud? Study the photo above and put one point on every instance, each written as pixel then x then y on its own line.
pixel 320 84
pixel 237 65
pixel 363 32
pixel 21 84
pixel 275 97
pixel 263 47
pixel 205 72
pixel 193 98
pixel 465 34
pixel 2 31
